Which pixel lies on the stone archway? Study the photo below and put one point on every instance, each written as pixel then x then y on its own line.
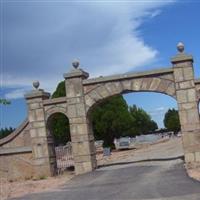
pixel 83 93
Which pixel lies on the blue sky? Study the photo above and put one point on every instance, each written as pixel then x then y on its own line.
pixel 39 39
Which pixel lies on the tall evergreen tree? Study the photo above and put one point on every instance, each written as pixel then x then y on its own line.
pixel 171 121
pixel 142 122
pixel 111 119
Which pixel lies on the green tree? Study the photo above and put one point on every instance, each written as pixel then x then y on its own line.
pixel 60 90
pixel 171 121
pixel 4 101
pixel 142 122
pixel 59 124
pixel 5 132
pixel 59 128
pixel 111 119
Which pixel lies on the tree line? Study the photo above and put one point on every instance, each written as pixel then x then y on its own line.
pixel 5 132
pixel 4 101
pixel 114 119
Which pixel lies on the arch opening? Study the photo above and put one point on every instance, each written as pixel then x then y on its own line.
pixel 58 128
pixel 156 114
pixel 59 132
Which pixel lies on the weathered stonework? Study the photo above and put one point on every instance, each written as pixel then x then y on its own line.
pixel 187 99
pixel 44 164
pixel 16 154
pixel 82 143
pixel 160 81
pixel 29 151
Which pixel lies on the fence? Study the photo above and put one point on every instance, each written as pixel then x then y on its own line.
pixel 64 157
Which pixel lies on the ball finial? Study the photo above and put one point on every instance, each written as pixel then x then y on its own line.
pixel 180 47
pixel 75 63
pixel 36 84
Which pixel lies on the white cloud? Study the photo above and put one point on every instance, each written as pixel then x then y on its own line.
pixel 156 13
pixel 41 41
pixel 158 112
pixel 160 109
pixel 15 94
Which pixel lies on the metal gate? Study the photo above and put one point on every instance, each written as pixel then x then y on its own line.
pixel 64 157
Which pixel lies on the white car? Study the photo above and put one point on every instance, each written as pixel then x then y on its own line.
pixel 122 143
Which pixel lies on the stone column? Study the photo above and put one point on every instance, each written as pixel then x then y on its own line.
pixel 44 163
pixel 82 139
pixel 187 104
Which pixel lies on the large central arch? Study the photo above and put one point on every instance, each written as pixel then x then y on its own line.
pixel 160 81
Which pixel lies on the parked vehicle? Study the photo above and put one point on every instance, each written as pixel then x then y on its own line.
pixel 179 134
pixel 123 143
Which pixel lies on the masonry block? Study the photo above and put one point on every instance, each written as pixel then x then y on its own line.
pixel 146 84
pixel 89 101
pixel 188 73
pixel 191 95
pixel 189 157
pixel 182 96
pixel 178 74
pixel 155 84
pixel 103 91
pixel 136 84
pixel 126 85
pixel 80 110
pixel 197 156
pixel 71 111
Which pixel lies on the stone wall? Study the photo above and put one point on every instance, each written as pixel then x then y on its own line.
pixel 16 166
pixel 16 154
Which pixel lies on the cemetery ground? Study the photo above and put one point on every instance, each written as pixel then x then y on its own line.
pixel 166 153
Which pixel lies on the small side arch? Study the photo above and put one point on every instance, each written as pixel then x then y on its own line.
pixel 55 109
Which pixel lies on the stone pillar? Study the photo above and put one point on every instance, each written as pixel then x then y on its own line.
pixel 44 163
pixel 187 104
pixel 82 139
